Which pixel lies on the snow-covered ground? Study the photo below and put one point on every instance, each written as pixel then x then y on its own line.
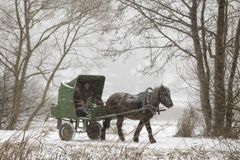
pixel 45 137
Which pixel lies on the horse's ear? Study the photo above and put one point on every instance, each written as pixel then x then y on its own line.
pixel 162 84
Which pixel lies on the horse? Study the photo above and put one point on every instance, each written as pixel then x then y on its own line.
pixel 119 103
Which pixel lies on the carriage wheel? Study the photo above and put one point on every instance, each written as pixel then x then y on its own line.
pixel 94 130
pixel 66 131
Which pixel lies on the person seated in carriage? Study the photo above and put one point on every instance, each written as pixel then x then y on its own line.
pixel 84 95
pixel 81 96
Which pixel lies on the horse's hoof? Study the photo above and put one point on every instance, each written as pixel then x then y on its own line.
pixel 153 141
pixel 136 140
pixel 122 139
pixel 103 138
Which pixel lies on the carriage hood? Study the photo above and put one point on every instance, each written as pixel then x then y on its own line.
pixel 96 83
pixel 65 106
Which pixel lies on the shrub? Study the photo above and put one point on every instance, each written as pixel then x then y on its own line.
pixel 187 123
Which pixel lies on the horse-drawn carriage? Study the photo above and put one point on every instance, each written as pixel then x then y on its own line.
pixel 65 110
pixel 119 105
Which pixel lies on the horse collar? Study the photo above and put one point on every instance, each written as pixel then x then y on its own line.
pixel 148 93
pixel 155 107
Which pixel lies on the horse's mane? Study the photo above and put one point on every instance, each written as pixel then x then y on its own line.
pixel 154 98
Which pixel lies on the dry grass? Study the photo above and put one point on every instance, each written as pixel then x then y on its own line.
pixel 19 150
pixel 25 150
pixel 187 123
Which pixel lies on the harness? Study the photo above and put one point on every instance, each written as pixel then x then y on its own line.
pixel 145 100
pixel 147 105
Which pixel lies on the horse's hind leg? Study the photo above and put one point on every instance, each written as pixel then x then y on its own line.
pixel 149 129
pixel 119 127
pixel 106 124
pixel 138 130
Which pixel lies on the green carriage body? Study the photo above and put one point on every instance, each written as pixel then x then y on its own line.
pixel 65 107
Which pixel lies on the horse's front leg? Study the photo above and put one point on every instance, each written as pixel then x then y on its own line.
pixel 119 127
pixel 149 129
pixel 138 130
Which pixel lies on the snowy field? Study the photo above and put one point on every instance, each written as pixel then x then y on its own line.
pixel 43 142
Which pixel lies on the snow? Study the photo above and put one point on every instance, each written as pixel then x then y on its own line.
pixel 46 136
pixel 64 83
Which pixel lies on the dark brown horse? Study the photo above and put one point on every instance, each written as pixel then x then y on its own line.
pixel 124 102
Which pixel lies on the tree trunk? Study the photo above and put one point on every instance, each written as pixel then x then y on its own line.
pixel 219 73
pixel 15 108
pixel 203 80
pixel 230 97
pixel 20 75
pixel 0 119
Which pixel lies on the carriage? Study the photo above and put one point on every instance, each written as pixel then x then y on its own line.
pixel 65 111
pixel 69 122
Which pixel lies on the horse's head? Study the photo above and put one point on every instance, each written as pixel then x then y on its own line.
pixel 165 96
pixel 161 95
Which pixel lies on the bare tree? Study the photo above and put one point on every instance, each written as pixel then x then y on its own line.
pixel 177 24
pixel 29 26
pixel 192 29
pixel 219 70
pixel 230 93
